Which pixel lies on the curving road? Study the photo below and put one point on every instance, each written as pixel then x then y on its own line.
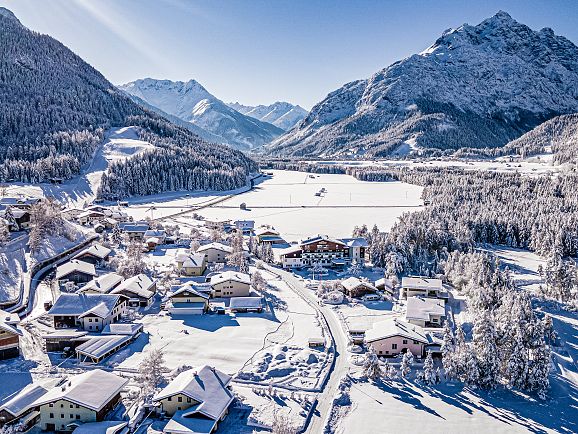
pixel 340 342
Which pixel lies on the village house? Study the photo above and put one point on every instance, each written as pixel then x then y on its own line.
pixel 95 254
pixel 354 287
pixel 134 231
pixel 246 304
pixel 394 336
pixel 9 335
pixel 16 219
pixel 420 287
pixel 90 312
pixel 102 284
pixel 191 264
pixel 90 217
pixel 75 271
pixel 245 226
pixel 187 301
pixel 159 234
pixel 215 252
pixel 71 213
pixel 357 248
pixel 425 312
pixel 196 400
pixel 268 235
pixel 385 285
pixel 324 251
pixel 140 290
pixel 20 405
pixel 19 202
pixel 231 284
pixel 86 397
pixel 291 257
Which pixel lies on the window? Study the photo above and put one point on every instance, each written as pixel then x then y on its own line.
pixel 188 399
pixel 170 398
pixel 61 416
pixel 405 341
pixel 77 406
pixel 71 406
pixel 71 416
pixel 394 346
pixel 77 416
pixel 51 404
pixel 51 416
pixel 61 405
pixel 180 399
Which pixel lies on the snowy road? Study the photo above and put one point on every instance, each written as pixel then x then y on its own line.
pixel 340 342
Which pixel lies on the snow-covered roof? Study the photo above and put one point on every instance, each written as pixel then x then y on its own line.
pixel 234 276
pixel 206 385
pixel 70 334
pixel 29 201
pixel 9 317
pixel 190 260
pixel 353 282
pixel 83 304
pixel 289 250
pixel 140 285
pixel 10 328
pixel 216 246
pixel 156 233
pixel 355 242
pixel 95 250
pixel 122 329
pixel 318 238
pixel 385 283
pixel 395 327
pixel 102 284
pixel 98 346
pixel 419 308
pixel 264 230
pixel 22 401
pixel 90 213
pixel 188 287
pixel 184 423
pixel 132 227
pixel 75 265
pixel 424 283
pixel 92 389
pixel 104 427
pixel 245 302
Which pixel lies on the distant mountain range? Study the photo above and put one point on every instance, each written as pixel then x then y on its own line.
pixel 215 120
pixel 281 114
pixel 476 86
pixel 54 108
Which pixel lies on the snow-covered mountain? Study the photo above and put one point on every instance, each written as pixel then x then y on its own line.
pixel 476 86
pixel 191 102
pixel 281 114
pixel 54 109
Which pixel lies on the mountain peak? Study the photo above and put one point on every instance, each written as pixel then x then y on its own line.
pixel 9 14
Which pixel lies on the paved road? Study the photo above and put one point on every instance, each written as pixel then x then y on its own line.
pixel 340 342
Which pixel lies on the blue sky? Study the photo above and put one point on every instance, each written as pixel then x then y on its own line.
pixel 258 51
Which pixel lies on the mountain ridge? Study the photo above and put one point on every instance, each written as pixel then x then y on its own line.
pixel 280 113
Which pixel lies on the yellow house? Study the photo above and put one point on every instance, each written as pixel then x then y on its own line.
pixel 197 400
pixel 191 264
pixel 188 301
pixel 87 397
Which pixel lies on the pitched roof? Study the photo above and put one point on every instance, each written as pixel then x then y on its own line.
pixel 322 238
pixel 183 422
pixel 421 283
pixel 231 275
pixel 188 287
pixel 419 308
pixel 92 389
pixel 122 329
pixel 95 250
pixel 98 346
pixel 104 427
pixel 217 246
pixel 22 401
pixel 395 327
pixel 84 304
pixel 264 230
pixel 290 249
pixel 75 265
pixel 102 284
pixel 354 282
pixel 9 317
pixel 190 260
pixel 245 302
pixel 355 242
pixel 139 285
pixel 206 385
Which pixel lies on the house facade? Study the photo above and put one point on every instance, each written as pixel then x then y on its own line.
pixel 231 284
pixel 89 312
pixel 9 335
pixel 188 301
pixel 425 312
pixel 323 250
pixel 95 254
pixel 355 287
pixel 418 286
pixel 215 252
pixel 394 336
pixel 75 271
pixel 139 290
pixel 191 264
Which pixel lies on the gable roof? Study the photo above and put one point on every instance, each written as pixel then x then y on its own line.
pixel 91 389
pixel 122 329
pixel 187 287
pixel 264 231
pixel 206 385
pixel 95 250
pixel 290 249
pixel 190 260
pixel 9 317
pixel 419 308
pixel 84 304
pixel 353 282
pixel 245 302
pixel 103 427
pixel 22 401
pixel 75 265
pixel 395 327
pixel 139 285
pixel 418 282
pixel 321 238
pixel 102 284
pixel 216 246
pixel 355 242
pixel 235 276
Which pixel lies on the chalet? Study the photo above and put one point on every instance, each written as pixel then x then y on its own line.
pixel 95 254
pixel 357 248
pixel 20 405
pixel 112 339
pixel 394 336
pixel 191 264
pixel 420 287
pixel 159 234
pixel 197 400
pixel 139 290
pixel 152 243
pixel 291 257
pixel 188 301
pixel 245 226
pixel 119 216
pixel 90 217
pixel 215 252
pixel 385 285
pixel 83 398
pixel 75 271
pixel 9 335
pixel 90 312
pixel 425 312
pixel 354 287
pixel 20 202
pixel 102 284
pixel 246 304
pixel 71 213
pixel 231 284
pixel 324 251
pixel 268 235
pixel 16 219
pixel 134 231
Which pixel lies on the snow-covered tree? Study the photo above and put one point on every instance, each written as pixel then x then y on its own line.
pixel 371 366
pixel 283 425
pixel 429 376
pixel 449 353
pixel 486 351
pixel 406 364
pixel 132 263
pixel 151 373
